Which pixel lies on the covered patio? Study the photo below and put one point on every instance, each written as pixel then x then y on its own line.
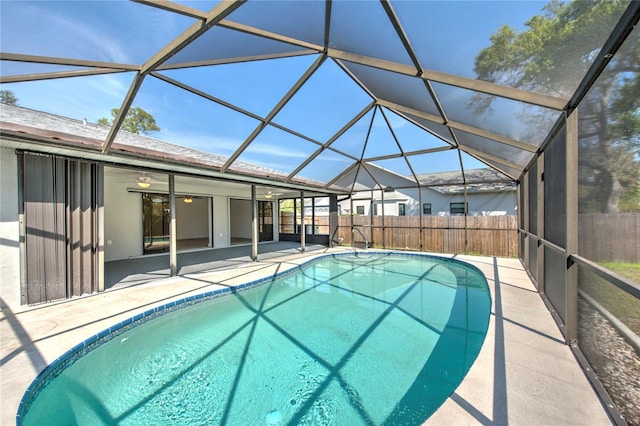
pixel 145 269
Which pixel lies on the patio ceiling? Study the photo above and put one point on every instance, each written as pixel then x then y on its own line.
pixel 322 92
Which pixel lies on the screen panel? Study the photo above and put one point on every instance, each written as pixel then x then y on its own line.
pixel 555 191
pixel 533 258
pixel 401 89
pixel 533 198
pixel 364 28
pixel 106 31
pixel 555 266
pixel 305 18
pixel 606 347
pixel 609 164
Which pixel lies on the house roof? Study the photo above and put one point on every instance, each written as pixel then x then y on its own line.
pixel 19 121
pixel 485 181
pixel 300 93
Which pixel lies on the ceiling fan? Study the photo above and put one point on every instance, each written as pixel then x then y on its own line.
pixel 143 181
pixel 188 198
pixel 270 194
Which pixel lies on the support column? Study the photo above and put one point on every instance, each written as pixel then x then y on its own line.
pixel 173 247
pixel 210 220
pixel 540 216
pixel 421 212
pixel 524 184
pixel 99 231
pixel 351 220
pixel 254 224
pixel 384 230
pixel 302 226
pixel 571 276
pixel 333 219
pixel 520 218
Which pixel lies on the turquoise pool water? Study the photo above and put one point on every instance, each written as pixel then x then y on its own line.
pixel 369 339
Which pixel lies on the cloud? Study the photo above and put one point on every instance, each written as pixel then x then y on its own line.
pixel 275 150
pixel 74 29
pixel 77 97
pixel 89 42
pixel 210 143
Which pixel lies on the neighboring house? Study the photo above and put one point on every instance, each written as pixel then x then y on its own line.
pixel 442 194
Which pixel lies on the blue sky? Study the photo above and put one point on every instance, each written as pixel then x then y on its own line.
pixel 130 33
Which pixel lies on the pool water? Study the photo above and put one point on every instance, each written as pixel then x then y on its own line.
pixel 368 339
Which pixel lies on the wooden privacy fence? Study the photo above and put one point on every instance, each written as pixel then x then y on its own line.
pixel 609 237
pixel 485 235
pixel 289 226
pixel 603 237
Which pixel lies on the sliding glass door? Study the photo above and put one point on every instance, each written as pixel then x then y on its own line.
pixel 265 216
pixel 155 223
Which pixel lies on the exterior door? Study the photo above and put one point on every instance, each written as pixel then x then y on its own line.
pixel 265 220
pixel 155 220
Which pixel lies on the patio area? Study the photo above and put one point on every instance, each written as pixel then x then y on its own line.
pixel 524 374
pixel 143 269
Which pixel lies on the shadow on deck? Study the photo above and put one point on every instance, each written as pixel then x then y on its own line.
pixel 143 269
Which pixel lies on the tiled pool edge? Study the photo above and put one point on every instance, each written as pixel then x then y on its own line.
pixel 51 371
pixel 58 365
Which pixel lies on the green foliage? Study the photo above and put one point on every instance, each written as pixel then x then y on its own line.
pixel 542 58
pixel 137 120
pixel 550 56
pixel 621 304
pixel 287 205
pixel 630 202
pixel 630 271
pixel 8 97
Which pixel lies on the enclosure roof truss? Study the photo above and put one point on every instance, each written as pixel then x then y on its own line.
pixel 393 74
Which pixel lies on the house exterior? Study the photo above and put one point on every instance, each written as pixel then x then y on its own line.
pixel 63 199
pixel 442 194
pixel 68 210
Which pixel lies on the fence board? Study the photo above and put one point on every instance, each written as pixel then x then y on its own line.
pixel 602 237
pixel 485 235
pixel 609 237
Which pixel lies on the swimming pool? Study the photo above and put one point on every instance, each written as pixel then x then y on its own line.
pixel 373 338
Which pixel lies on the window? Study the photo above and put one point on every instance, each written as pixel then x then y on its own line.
pixel 287 220
pixel 375 210
pixel 459 208
pixel 401 209
pixel 359 209
pixel 426 208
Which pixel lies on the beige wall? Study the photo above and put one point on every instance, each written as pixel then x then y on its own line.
pixel 122 220
pixel 192 220
pixel 9 230
pixel 240 218
pixel 123 212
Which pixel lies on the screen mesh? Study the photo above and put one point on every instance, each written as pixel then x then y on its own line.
pixel 555 190
pixel 554 272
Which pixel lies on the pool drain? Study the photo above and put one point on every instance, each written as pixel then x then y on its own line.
pixel 273 418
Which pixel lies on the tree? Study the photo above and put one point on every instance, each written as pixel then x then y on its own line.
pixel 137 120
pixel 8 97
pixel 558 46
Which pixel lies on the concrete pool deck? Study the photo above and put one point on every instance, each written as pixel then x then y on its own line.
pixel 524 374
